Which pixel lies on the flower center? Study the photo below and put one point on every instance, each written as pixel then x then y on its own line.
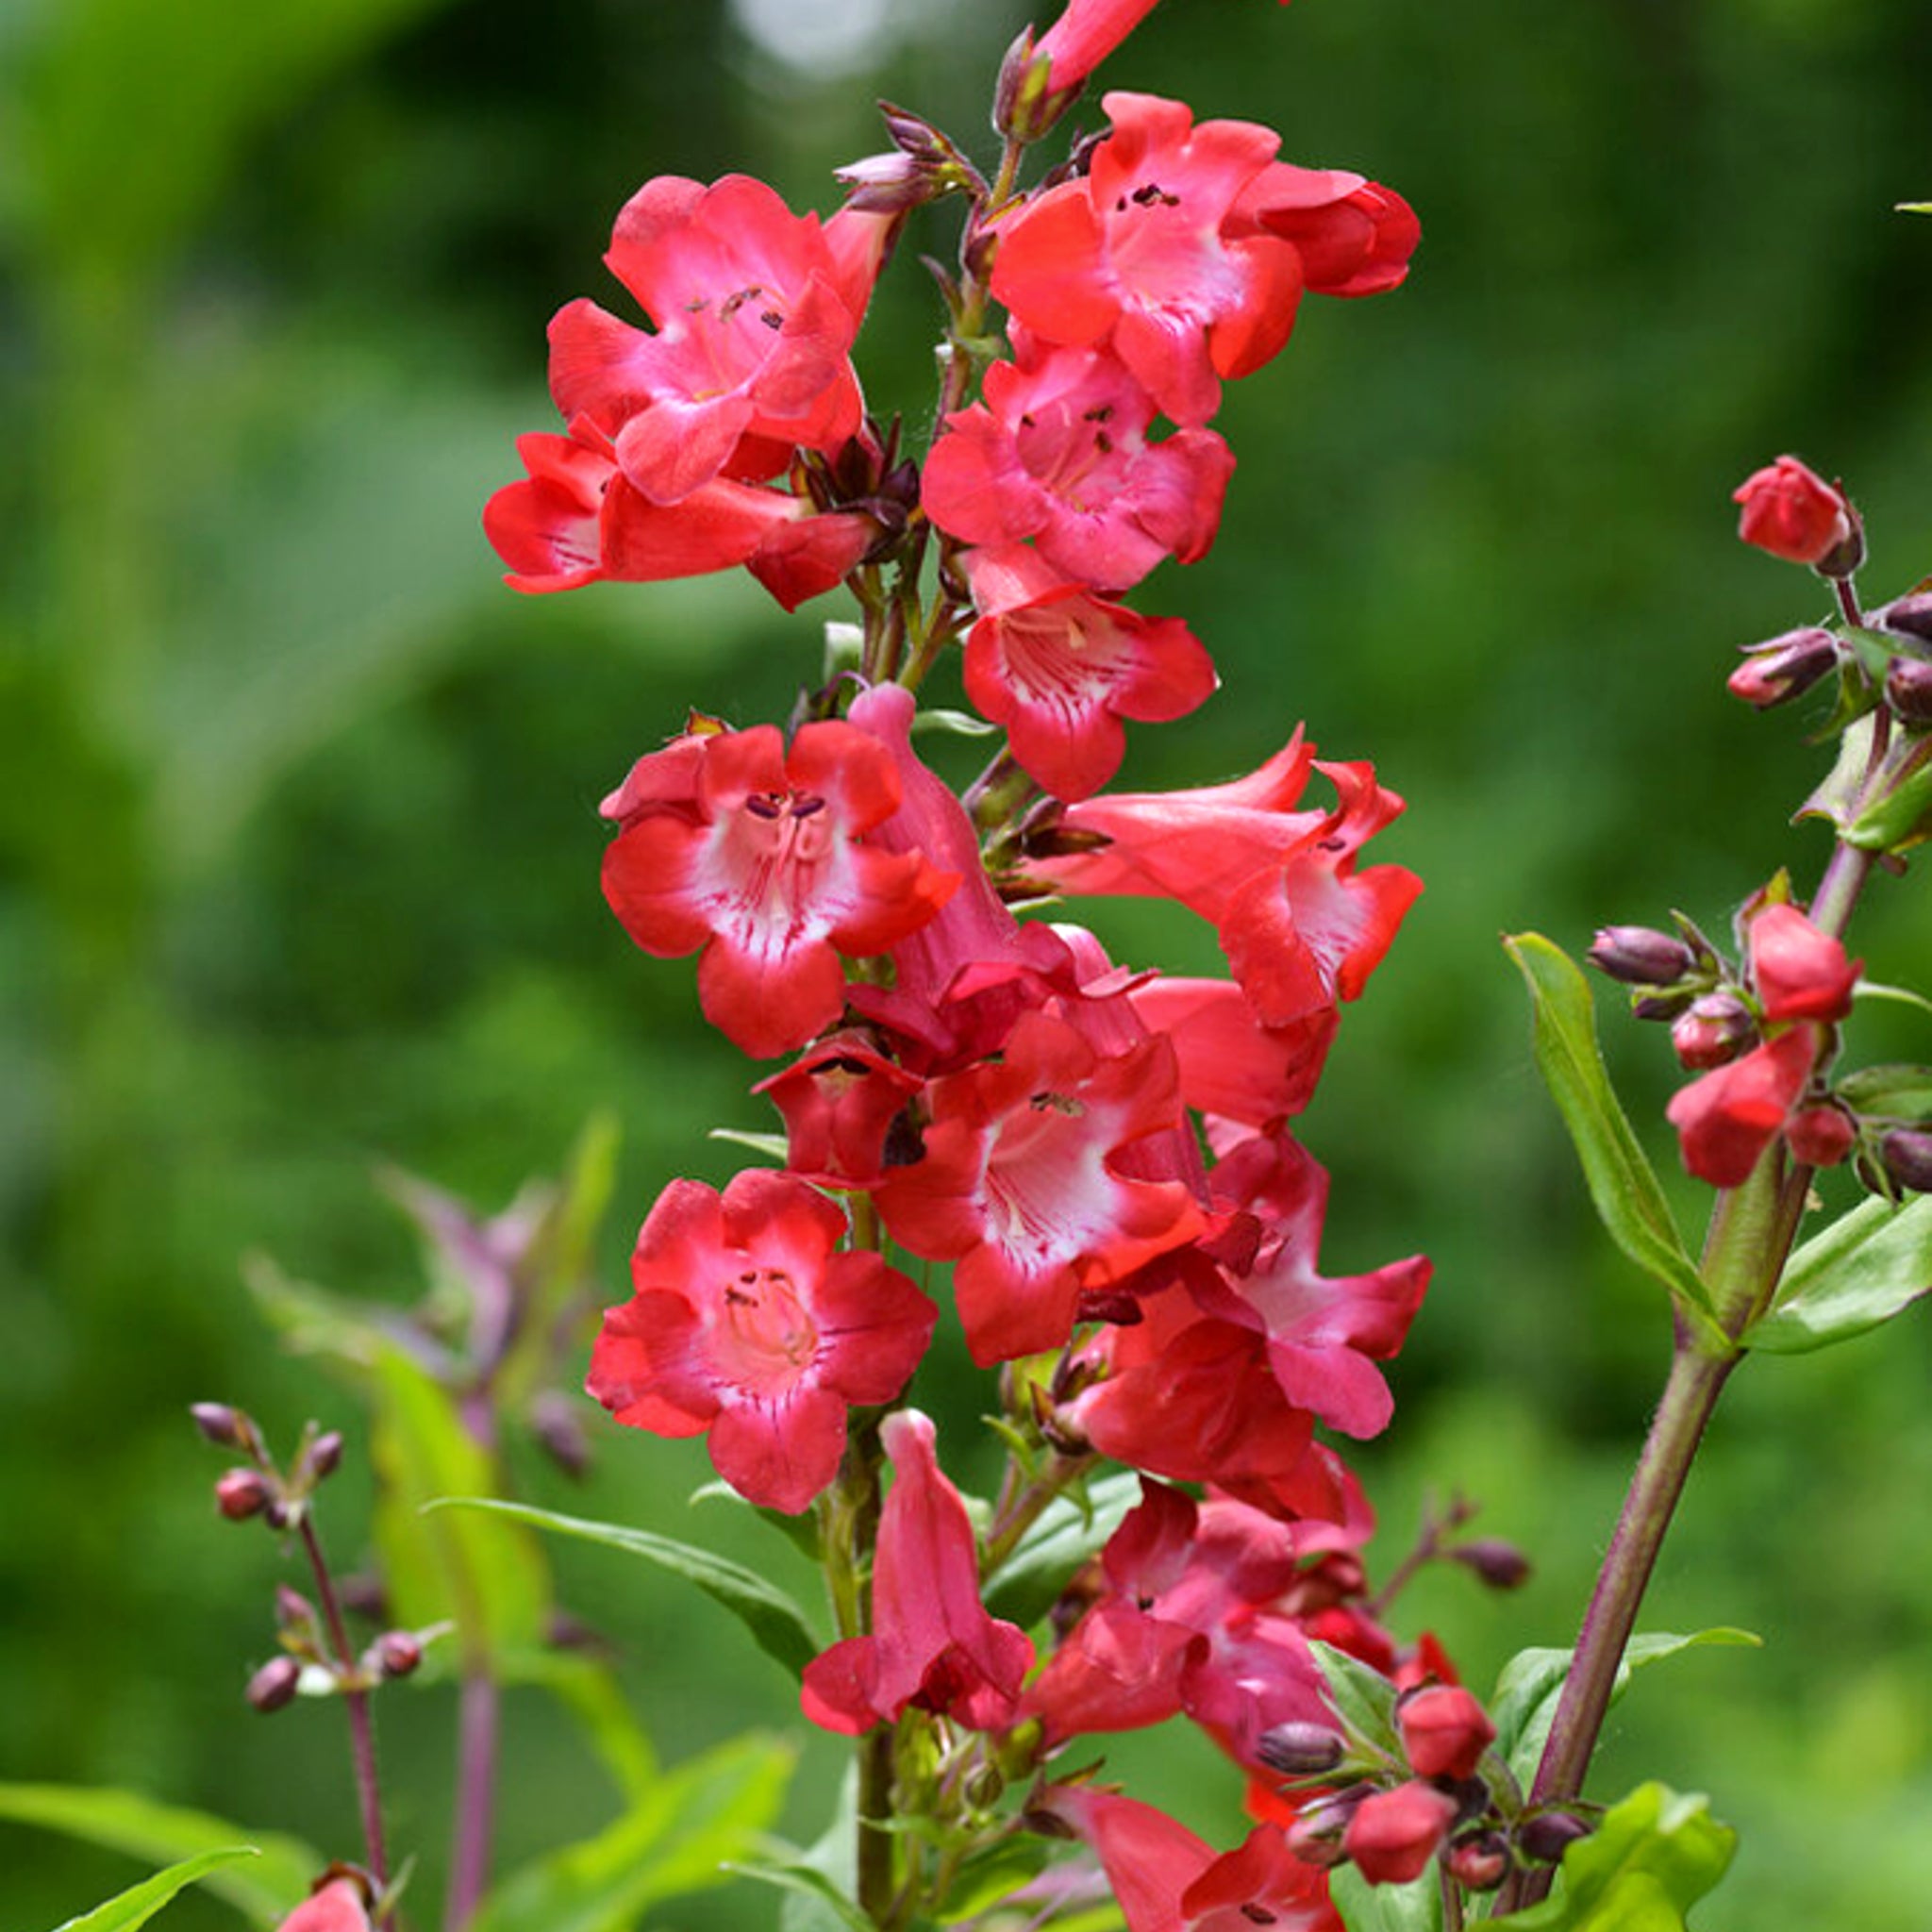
pixel 765 1337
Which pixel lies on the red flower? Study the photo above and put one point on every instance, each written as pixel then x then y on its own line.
pixel 1060 667
pixel 1023 1183
pixel 1797 972
pixel 578 521
pixel 933 1643
pixel 1726 1118
pixel 1058 452
pixel 1393 1835
pixel 338 1906
pixel 1354 236
pixel 1084 36
pixel 755 311
pixel 1445 1731
pixel 1139 255
pixel 1792 512
pixel 1232 1066
pixel 756 853
pixel 747 1322
pixel 840 1101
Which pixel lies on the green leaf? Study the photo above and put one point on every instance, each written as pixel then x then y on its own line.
pixel 1913 208
pixel 140 1903
pixel 1901 815
pixel 489 1577
pixel 1900 1092
pixel 959 723
pixel 1878 990
pixel 988 1876
pixel 1069 1531
pixel 777 1625
pixel 1416 1906
pixel 1525 1702
pixel 590 1692
pixel 678 1838
pixel 1865 1268
pixel 1363 1699
pixel 1836 794
pixel 1629 1200
pixel 1653 1858
pixel 265 1890
pixel 813 1884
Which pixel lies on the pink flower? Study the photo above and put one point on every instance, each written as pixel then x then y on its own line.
pixel 1138 257
pixel 758 854
pixel 1393 1835
pixel 1726 1120
pixel 1085 35
pixel 1060 666
pixel 338 1906
pixel 575 520
pixel 1792 512
pixel 1058 452
pixel 746 1323
pixel 1797 972
pixel 1024 1183
pixel 933 1643
pixel 755 310
pixel 1354 236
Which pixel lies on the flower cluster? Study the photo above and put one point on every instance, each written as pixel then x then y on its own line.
pixel 1103 1153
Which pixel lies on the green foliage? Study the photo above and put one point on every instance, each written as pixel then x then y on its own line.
pixel 1416 1906
pixel 1524 1704
pixel 1361 1698
pixel 266 1890
pixel 1624 1188
pixel 1870 1265
pixel 1070 1530
pixel 777 1625
pixel 679 1837
pixel 134 1907
pixel 1651 1859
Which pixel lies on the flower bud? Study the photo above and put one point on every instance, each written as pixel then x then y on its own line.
pixel 1906 1153
pixel 1784 667
pixel 1792 512
pixel 227 1428
pixel 1315 1836
pixel 1909 615
pixel 1025 103
pixel 1480 1860
pixel 1395 1834
pixel 293 1610
pixel 1445 1731
pixel 1661 1005
pixel 241 1493
pixel 397 1654
pixel 1908 689
pixel 1712 1032
pixel 325 1456
pixel 1821 1136
pixel 274 1685
pixel 1300 1750
pixel 559 1434
pixel 1546 1837
pixel 1641 955
pixel 1500 1565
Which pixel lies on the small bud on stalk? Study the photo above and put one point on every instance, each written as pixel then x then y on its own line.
pixel 1549 1835
pixel 1501 1565
pixel 225 1427
pixel 241 1493
pixel 397 1654
pixel 1789 511
pixel 1715 1030
pixel 1393 1835
pixel 1639 955
pixel 324 1458
pixel 1480 1860
pixel 1300 1750
pixel 1906 1153
pixel 1909 616
pixel 1908 689
pixel 1315 1837
pixel 1445 1731
pixel 274 1685
pixel 1784 667
pixel 1821 1136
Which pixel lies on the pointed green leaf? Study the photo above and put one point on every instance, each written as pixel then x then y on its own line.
pixel 1897 1092
pixel 1653 1858
pixel 988 1876
pixel 265 1890
pixel 777 1623
pixel 1901 816
pixel 1914 207
pixel 1525 1702
pixel 1069 1531
pixel 678 1838
pixel 1629 1200
pixel 1865 1268
pixel 1416 1906
pixel 135 1907
pixel 830 1902
pixel 590 1692
pixel 1363 1699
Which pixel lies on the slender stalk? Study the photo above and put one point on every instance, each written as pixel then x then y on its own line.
pixel 476 1811
pixel 361 1729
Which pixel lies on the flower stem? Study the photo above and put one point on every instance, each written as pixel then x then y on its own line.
pixel 475 1798
pixel 361 1729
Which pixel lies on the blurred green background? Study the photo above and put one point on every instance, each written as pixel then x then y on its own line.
pixel 298 846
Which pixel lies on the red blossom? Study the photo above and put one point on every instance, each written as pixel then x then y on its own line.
pixel 1354 236
pixel 840 1101
pixel 933 1643
pixel 338 1906
pixel 1798 972
pixel 1084 36
pixel 1058 453
pixel 1445 1731
pixel 1393 1835
pixel 1792 512
pixel 746 1323
pixel 1140 257
pixel 1060 666
pixel 756 853
pixel 1726 1118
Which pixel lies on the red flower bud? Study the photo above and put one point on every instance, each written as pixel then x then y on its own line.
pixel 1395 1834
pixel 1480 1860
pixel 241 1493
pixel 397 1653
pixel 1908 689
pixel 1792 512
pixel 325 1456
pixel 274 1685
pixel 1715 1030
pixel 1906 1153
pixel 1500 1565
pixel 1638 955
pixel 1445 1731
pixel 1821 1136
pixel 1316 1836
pixel 1300 1750
pixel 222 1425
pixel 1909 615
pixel 1784 667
